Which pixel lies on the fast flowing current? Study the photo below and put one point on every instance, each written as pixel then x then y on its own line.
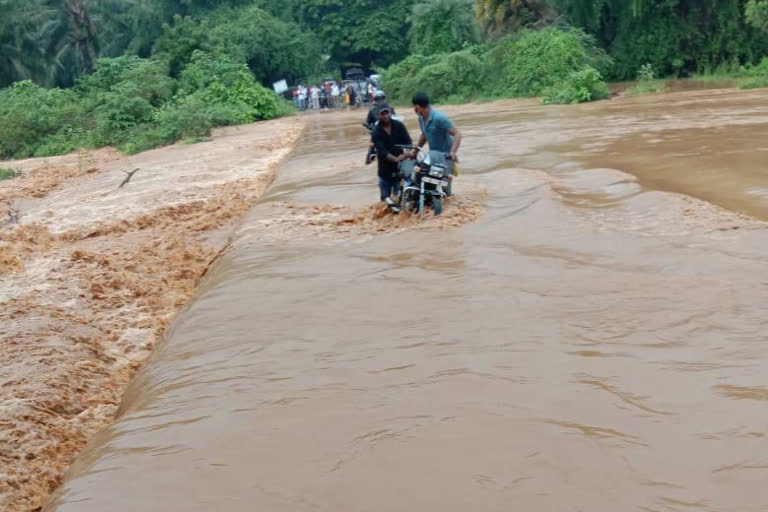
pixel 584 330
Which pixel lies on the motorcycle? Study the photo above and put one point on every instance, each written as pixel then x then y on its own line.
pixel 424 181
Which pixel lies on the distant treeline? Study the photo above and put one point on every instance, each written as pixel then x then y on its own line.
pixel 140 73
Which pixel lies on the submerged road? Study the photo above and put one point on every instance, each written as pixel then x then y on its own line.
pixel 594 341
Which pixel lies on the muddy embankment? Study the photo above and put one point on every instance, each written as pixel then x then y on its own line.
pixel 92 273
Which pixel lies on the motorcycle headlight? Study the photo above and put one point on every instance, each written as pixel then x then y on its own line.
pixel 436 171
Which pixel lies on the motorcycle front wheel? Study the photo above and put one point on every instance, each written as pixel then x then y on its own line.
pixel 406 200
pixel 437 205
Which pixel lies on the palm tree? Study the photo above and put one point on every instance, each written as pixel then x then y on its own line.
pixel 83 30
pixel 22 41
pixel 82 33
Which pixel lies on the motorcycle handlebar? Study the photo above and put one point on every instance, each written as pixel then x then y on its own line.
pixel 413 146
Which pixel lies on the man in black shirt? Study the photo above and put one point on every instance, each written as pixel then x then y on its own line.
pixel 386 136
pixel 370 122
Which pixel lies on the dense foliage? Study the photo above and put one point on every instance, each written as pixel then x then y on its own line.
pixel 371 32
pixel 273 49
pixel 53 41
pixel 32 117
pixel 565 65
pixel 201 69
pixel 139 73
pixel 133 104
pixel 578 86
pixel 500 16
pixel 755 76
pixel 677 37
pixel 442 26
pixel 647 83
pixel 757 14
pixel 8 173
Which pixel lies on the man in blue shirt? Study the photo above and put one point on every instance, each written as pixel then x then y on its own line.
pixel 436 129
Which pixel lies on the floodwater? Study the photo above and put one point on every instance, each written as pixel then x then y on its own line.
pixel 594 341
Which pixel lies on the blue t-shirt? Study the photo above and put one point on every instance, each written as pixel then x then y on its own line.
pixel 435 129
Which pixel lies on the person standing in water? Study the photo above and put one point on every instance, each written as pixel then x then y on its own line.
pixel 370 122
pixel 387 135
pixel 437 130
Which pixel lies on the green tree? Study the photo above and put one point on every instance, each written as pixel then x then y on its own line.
pixel 442 26
pixel 180 39
pixel 23 43
pixel 219 79
pixel 122 94
pixel 30 115
pixel 588 14
pixel 562 65
pixel 676 37
pixel 286 10
pixel 83 31
pixel 82 38
pixel 525 64
pixel 371 32
pixel 499 16
pixel 757 14
pixel 273 48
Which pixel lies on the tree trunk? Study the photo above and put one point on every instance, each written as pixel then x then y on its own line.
pixel 83 32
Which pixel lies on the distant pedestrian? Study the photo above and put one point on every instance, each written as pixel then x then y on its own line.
pixel 335 95
pixel 302 97
pixel 315 97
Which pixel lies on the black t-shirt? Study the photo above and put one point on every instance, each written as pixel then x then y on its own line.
pixel 371 119
pixel 386 144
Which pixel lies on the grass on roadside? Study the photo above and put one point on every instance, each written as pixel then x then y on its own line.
pixel 755 77
pixel 755 82
pixel 743 77
pixel 647 83
pixel 648 87
pixel 727 70
pixel 715 78
pixel 7 174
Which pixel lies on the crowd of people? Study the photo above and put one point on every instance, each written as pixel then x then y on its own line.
pixel 332 95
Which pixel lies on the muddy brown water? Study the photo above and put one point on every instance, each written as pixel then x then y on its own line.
pixel 596 341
